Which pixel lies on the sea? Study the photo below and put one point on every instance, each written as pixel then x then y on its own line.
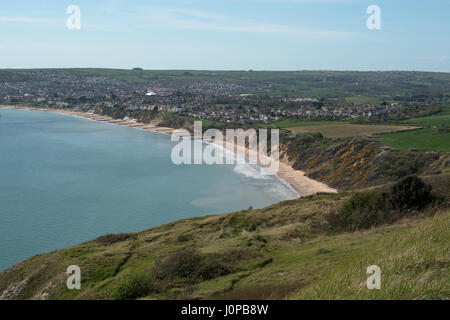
pixel 66 180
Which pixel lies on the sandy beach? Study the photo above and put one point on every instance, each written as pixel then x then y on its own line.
pixel 303 185
pixel 295 178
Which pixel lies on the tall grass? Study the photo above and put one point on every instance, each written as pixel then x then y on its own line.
pixel 415 264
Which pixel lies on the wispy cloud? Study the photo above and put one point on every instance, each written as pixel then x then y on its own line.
pixel 176 18
pixel 195 19
pixel 441 58
pixel 62 23
pixel 24 19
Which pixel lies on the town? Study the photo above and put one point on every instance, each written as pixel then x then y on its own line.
pixel 208 98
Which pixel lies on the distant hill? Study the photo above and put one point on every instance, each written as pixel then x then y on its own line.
pixel 291 83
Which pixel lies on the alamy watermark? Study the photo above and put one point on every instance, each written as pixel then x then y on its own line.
pixel 231 149
pixel 374 20
pixel 74 277
pixel 374 281
pixel 74 20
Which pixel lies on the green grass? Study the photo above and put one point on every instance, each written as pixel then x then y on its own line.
pixel 431 121
pixel 422 139
pixel 289 123
pixel 206 123
pixel 414 262
pixel 363 99
pixel 282 251
pixel 437 120
pixel 347 130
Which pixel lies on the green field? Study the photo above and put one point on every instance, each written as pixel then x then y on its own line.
pixel 348 130
pixel 206 123
pixel 431 121
pixel 289 123
pixel 438 120
pixel 429 138
pixel 423 139
pixel 363 99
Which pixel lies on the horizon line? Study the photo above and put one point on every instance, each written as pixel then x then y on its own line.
pixel 218 70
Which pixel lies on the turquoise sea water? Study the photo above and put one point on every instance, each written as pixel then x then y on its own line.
pixel 65 180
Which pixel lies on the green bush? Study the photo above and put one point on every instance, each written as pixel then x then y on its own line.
pixel 410 193
pixel 363 210
pixel 109 239
pixel 189 265
pixel 136 286
pixel 183 238
pixel 367 209
pixel 212 269
pixel 181 264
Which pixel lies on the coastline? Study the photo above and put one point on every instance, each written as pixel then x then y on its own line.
pixel 296 179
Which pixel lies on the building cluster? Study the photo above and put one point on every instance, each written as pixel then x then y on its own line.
pixel 221 101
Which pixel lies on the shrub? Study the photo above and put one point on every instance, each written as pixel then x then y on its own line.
pixel 136 286
pixel 183 238
pixel 240 222
pixel 363 210
pixel 410 193
pixel 212 269
pixel 181 264
pixel 108 239
pixel 190 266
pixel 366 209
pixel 260 238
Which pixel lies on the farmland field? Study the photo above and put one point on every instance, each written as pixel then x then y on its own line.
pixel 430 121
pixel 289 123
pixel 363 99
pixel 424 139
pixel 349 130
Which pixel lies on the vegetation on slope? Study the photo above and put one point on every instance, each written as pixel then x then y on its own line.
pixel 357 162
pixel 288 250
pixel 413 257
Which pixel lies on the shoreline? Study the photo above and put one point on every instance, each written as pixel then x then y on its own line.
pixel 296 179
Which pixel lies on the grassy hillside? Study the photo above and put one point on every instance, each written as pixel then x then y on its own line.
pixel 414 257
pixel 288 250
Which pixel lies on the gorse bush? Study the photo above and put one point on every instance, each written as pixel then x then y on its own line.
pixel 367 209
pixel 364 210
pixel 410 193
pixel 136 286
pixel 189 265
pixel 181 264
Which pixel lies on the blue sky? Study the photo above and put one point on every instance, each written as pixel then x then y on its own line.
pixel 227 35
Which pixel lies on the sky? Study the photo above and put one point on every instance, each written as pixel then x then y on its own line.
pixel 227 34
